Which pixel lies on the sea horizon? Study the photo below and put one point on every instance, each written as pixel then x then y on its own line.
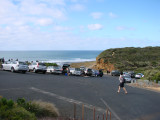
pixel 51 56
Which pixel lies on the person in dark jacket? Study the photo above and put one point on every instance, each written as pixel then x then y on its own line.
pixel 121 85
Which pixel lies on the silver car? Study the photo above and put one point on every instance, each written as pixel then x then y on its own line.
pixel 37 67
pixel 54 69
pixel 14 66
pixel 127 78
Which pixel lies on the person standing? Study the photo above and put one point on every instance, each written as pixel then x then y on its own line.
pixel 121 85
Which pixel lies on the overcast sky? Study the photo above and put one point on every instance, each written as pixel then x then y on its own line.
pixel 78 24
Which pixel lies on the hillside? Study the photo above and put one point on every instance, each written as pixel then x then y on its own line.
pixel 130 58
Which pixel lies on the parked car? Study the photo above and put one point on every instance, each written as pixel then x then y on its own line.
pixel 54 69
pixel 139 75
pixel 115 73
pixel 15 66
pixel 132 74
pixel 37 67
pixel 64 68
pixel 127 78
pixel 88 72
pixel 75 71
pixel 95 72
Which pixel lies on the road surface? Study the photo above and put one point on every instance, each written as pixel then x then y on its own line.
pixel 92 92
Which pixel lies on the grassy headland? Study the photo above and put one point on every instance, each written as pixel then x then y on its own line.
pixel 145 60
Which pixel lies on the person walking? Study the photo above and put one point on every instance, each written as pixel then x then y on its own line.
pixel 121 85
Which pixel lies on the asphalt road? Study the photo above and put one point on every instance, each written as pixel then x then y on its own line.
pixel 101 93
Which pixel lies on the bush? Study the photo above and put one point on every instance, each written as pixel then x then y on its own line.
pixel 22 110
pixel 11 111
pixel 43 109
pixel 39 108
pixel 18 113
pixel 156 77
pixel 51 64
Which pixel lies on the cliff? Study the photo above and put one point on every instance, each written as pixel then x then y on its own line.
pixel 129 58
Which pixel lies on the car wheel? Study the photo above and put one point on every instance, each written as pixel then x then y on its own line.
pixel 34 70
pixel 23 72
pixel 44 72
pixel 12 70
pixel 2 68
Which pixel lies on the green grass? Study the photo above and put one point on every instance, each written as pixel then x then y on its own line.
pixel 22 110
pixel 141 60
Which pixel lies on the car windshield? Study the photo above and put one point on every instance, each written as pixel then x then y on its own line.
pixel 127 76
pixel 57 67
pixel 50 67
pixel 42 64
pixel 78 69
pixel 22 63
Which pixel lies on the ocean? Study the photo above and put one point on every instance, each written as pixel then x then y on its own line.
pixel 69 56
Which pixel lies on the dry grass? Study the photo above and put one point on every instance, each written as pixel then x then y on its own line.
pixel 90 64
pixel 153 87
pixel 48 108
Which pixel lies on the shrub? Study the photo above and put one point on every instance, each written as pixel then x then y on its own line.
pixel 4 101
pixel 156 77
pixel 18 113
pixel 44 109
pixel 11 111
pixel 10 103
pixel 22 110
pixel 51 64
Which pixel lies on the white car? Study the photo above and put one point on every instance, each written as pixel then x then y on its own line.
pixel 139 75
pixel 54 69
pixel 75 71
pixel 37 67
pixel 14 66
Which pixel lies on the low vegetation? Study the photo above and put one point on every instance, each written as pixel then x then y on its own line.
pixel 144 60
pixel 86 64
pixel 22 110
pixel 51 64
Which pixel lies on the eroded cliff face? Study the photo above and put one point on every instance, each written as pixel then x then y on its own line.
pixel 100 64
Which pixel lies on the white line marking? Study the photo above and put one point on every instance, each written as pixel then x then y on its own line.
pixel 118 118
pixel 69 100
pixel 10 89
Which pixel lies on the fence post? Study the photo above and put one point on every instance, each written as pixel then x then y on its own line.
pixel 106 114
pixel 103 116
pixel 93 113
pixel 110 115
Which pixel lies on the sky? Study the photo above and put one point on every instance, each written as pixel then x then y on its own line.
pixel 78 24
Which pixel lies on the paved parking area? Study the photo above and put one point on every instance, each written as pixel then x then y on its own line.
pixel 64 91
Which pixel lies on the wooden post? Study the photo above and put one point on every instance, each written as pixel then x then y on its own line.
pixel 106 114
pixel 110 115
pixel 93 113
pixel 103 116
